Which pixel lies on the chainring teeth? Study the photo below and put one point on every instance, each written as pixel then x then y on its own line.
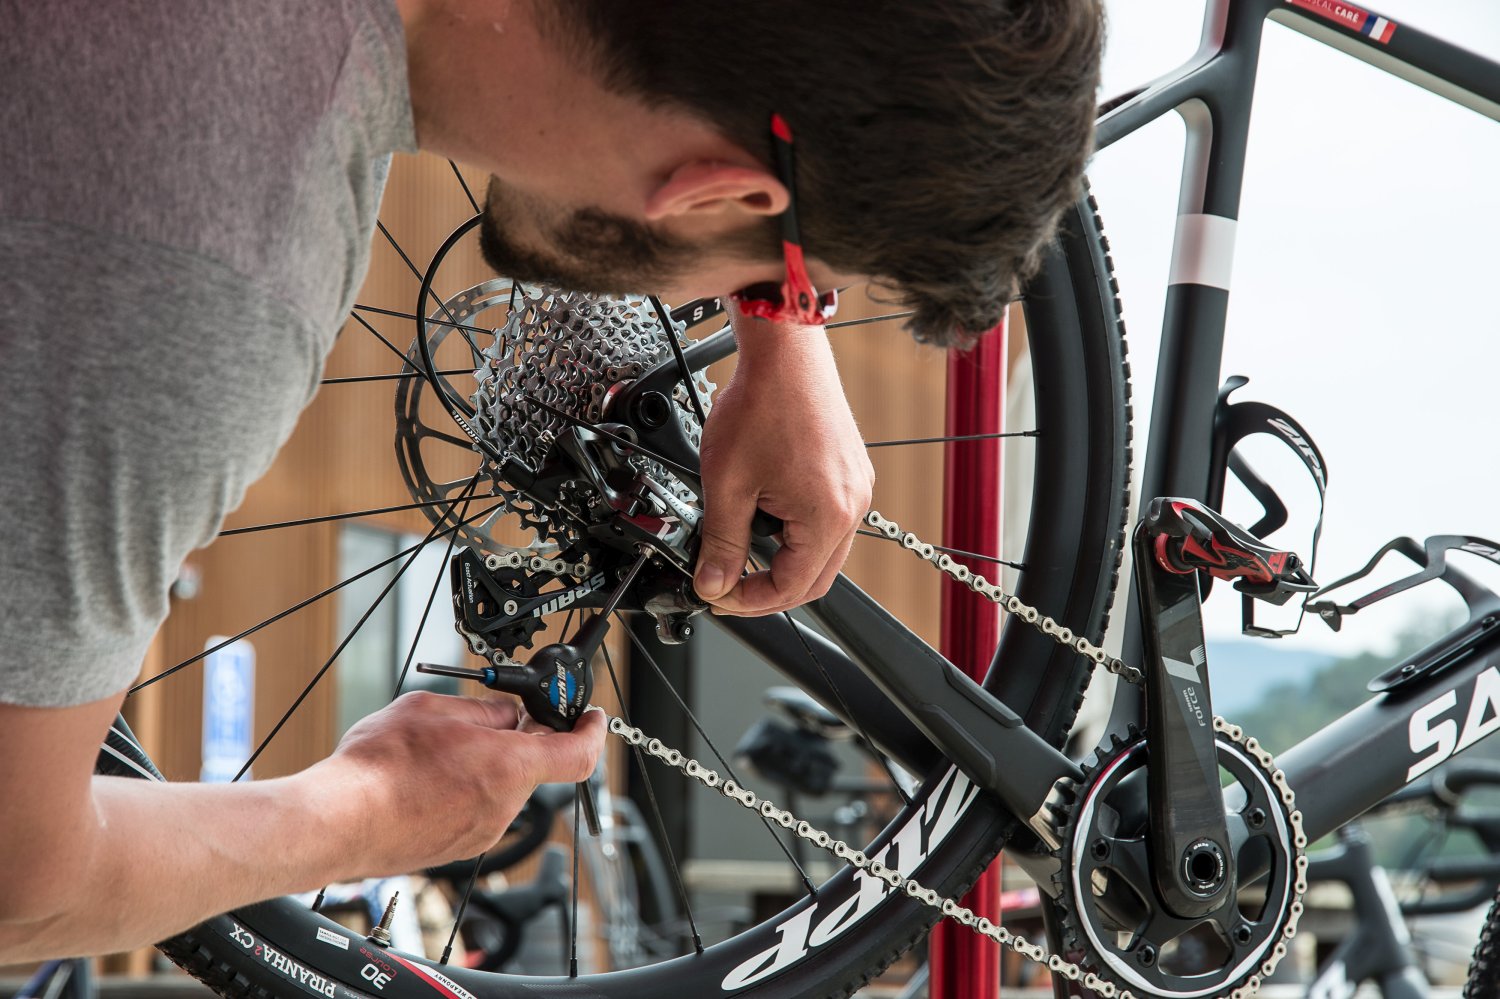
pixel 1273 946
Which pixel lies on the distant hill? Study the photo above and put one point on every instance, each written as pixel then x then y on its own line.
pixel 1242 670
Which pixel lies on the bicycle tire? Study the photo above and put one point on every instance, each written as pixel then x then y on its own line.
pixel 1484 970
pixel 281 947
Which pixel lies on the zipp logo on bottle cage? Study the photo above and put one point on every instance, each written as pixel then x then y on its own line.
pixel 1300 443
pixel 1444 738
pixel 833 916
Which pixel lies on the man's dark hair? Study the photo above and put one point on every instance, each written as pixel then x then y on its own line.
pixel 937 141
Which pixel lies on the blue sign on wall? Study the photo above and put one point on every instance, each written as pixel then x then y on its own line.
pixel 228 709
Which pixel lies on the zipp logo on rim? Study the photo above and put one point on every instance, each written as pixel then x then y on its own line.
pixel 833 916
pixel 1429 730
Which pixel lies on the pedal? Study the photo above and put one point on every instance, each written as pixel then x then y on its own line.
pixel 1189 537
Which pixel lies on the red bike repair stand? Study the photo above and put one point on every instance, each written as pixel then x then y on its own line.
pixel 963 964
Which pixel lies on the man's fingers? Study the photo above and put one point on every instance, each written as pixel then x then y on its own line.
pixel 490 712
pixel 558 757
pixel 725 541
pixel 831 571
pixel 793 571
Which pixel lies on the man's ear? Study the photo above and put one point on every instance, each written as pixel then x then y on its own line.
pixel 705 186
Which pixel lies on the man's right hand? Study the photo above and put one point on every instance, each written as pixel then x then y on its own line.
pixel 427 780
pixel 445 776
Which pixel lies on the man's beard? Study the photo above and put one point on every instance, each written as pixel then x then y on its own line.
pixel 583 249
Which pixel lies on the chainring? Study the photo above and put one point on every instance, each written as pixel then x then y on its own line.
pixel 1111 911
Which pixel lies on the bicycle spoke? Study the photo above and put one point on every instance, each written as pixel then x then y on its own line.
pixel 427 609
pixel 465 185
pixel 684 375
pixel 693 719
pixel 862 532
pixel 573 920
pixel 661 823
pixel 318 676
pixel 955 437
pixel 866 322
pixel 463 904
pixel 409 317
pixel 444 389
pixel 848 713
pixel 353 379
pixel 310 600
pixel 416 273
pixel 333 516
pixel 382 338
pixel 843 703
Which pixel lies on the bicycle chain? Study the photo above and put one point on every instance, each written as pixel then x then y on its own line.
pixel 949 908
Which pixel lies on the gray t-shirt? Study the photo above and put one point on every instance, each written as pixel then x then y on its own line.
pixel 187 195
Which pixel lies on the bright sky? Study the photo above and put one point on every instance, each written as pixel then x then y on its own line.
pixel 1365 276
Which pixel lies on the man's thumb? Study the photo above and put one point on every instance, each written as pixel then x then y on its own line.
pixel 725 543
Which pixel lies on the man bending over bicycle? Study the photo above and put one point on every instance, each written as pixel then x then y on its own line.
pixel 187 196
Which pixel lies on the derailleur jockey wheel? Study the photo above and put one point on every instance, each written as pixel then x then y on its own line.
pixel 1112 911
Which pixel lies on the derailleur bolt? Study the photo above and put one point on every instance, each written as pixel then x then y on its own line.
pixel 1146 955
pixel 382 934
pixel 1256 817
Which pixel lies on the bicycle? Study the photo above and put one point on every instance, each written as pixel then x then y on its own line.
pixel 1382 948
pixel 991 773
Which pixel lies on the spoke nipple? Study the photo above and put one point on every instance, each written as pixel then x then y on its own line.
pixel 382 934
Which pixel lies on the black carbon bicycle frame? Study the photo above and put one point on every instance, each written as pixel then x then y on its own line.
pixel 920 708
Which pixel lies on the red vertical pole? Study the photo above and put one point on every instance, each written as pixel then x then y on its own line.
pixel 963 964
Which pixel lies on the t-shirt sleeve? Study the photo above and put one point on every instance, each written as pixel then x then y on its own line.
pixel 142 389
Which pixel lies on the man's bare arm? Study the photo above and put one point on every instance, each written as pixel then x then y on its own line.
pixel 101 864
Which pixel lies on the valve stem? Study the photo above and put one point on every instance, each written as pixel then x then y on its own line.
pixel 382 933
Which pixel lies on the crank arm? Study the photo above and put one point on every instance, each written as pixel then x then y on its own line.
pixel 1190 848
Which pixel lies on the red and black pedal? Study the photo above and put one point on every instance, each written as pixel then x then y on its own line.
pixel 1188 537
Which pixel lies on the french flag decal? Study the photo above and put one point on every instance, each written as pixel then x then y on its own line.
pixel 1379 29
pixel 1372 26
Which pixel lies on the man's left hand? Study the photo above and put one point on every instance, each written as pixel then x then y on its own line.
pixel 780 438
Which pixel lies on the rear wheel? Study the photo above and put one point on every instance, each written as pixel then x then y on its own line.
pixel 831 942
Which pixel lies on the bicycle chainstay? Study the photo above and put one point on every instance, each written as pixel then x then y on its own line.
pixel 949 908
